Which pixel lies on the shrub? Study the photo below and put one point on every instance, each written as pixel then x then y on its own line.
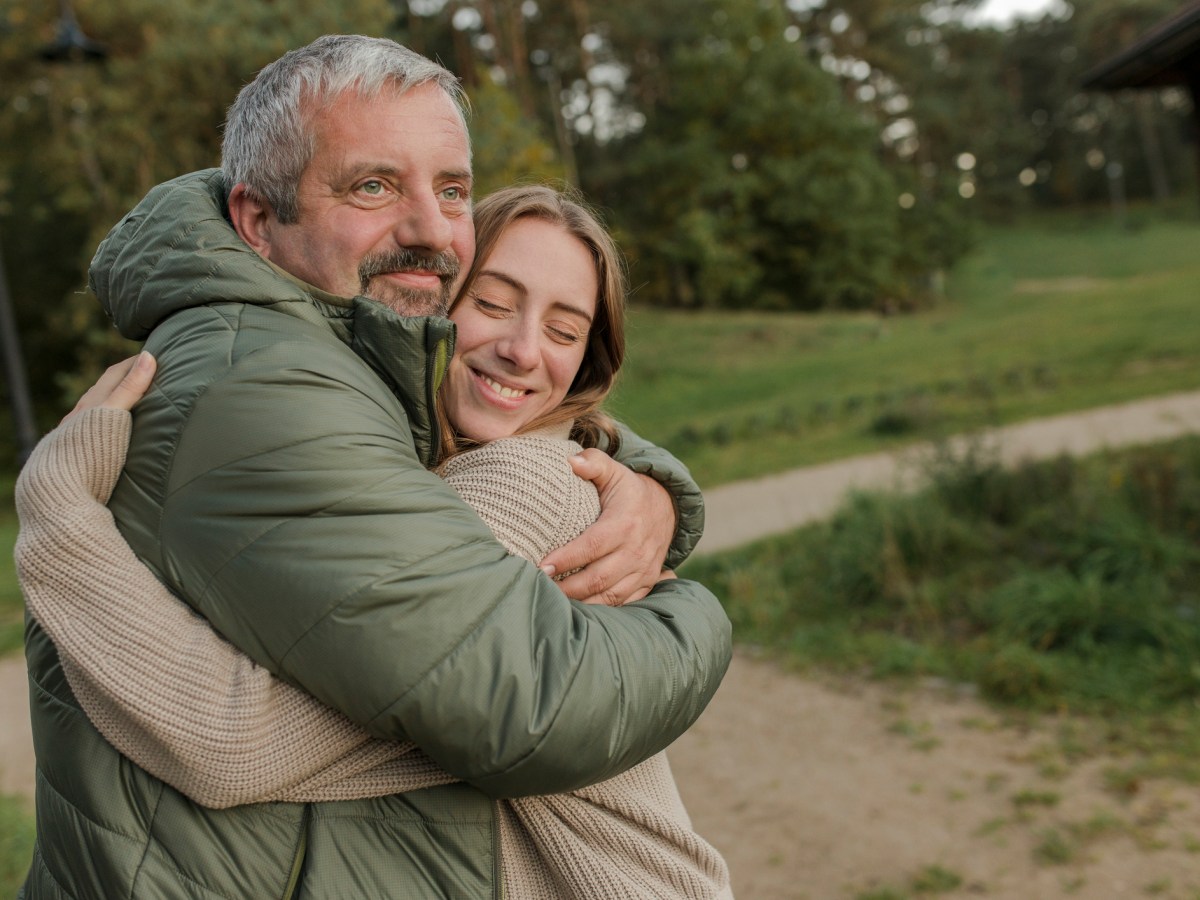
pixel 1063 585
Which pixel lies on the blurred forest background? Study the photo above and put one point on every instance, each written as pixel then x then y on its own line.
pixel 772 155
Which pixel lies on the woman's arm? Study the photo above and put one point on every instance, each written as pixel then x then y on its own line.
pixel 153 677
pixel 164 688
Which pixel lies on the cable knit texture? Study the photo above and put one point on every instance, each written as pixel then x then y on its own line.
pixel 525 491
pixel 191 709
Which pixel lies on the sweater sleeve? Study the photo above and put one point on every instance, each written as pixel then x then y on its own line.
pixel 154 678
pixel 526 492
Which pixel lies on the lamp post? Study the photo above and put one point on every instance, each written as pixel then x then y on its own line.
pixel 70 44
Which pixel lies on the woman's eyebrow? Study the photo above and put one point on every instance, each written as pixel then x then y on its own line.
pixel 513 283
pixel 571 308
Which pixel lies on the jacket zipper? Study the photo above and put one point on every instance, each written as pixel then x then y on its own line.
pixel 293 884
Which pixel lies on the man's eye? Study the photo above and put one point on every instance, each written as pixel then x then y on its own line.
pixel 453 194
pixel 372 188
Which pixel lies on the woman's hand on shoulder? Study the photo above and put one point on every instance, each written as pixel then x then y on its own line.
pixel 619 557
pixel 120 387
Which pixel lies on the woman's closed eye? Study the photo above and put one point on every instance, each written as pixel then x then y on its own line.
pixel 490 307
pixel 564 333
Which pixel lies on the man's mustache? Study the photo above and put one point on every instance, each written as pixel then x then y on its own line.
pixel 444 265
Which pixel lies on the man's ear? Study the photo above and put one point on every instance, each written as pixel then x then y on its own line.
pixel 252 219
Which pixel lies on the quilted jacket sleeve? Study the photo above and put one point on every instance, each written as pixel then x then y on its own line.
pixel 644 457
pixel 300 522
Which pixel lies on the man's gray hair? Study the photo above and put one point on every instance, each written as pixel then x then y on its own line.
pixel 269 140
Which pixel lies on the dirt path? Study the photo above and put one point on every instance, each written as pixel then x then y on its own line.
pixel 822 791
pixel 16 747
pixel 740 512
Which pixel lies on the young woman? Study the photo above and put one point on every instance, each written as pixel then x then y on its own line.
pixel 540 323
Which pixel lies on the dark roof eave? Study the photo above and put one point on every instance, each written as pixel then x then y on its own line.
pixel 1163 56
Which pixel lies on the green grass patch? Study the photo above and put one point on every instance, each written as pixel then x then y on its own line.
pixel 16 844
pixel 1028 798
pixel 1067 585
pixel 883 893
pixel 936 880
pixel 1054 848
pixel 1041 319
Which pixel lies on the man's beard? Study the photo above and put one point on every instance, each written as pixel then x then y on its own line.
pixel 403 300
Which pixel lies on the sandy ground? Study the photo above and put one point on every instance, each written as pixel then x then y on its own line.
pixel 822 790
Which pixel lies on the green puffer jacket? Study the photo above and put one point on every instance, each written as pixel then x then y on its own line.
pixel 280 455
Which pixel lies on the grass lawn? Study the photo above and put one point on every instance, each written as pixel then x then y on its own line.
pixel 16 844
pixel 1058 315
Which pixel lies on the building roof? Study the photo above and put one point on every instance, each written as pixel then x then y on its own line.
pixel 1167 54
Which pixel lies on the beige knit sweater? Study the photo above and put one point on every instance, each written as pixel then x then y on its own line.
pixel 191 709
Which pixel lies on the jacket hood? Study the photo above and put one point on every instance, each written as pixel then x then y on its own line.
pixel 177 249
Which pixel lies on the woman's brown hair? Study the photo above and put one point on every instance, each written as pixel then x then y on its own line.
pixel 606 338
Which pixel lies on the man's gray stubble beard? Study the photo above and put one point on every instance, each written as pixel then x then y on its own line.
pixel 409 301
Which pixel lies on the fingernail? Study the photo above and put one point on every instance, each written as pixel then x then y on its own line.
pixel 548 570
pixel 143 360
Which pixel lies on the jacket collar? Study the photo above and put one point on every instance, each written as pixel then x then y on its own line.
pixel 177 250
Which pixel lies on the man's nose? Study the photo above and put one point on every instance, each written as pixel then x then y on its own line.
pixel 423 225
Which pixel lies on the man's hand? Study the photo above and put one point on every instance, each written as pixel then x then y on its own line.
pixel 622 554
pixel 120 387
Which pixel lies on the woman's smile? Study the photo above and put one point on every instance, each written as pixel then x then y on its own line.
pixel 496 390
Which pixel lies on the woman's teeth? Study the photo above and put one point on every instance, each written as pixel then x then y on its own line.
pixel 501 389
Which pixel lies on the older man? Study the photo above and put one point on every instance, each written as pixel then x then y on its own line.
pixel 275 482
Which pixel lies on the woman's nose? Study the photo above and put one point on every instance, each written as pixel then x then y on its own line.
pixel 520 346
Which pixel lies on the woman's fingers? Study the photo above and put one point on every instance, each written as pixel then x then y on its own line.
pixel 120 387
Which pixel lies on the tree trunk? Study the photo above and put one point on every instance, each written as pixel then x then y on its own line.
pixel 1193 80
pixel 566 149
pixel 1151 146
pixel 518 55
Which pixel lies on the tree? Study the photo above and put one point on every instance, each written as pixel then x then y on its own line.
pixel 753 183
pixel 508 147
pixel 80 143
pixel 83 142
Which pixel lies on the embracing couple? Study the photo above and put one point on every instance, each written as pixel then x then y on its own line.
pixel 320 643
